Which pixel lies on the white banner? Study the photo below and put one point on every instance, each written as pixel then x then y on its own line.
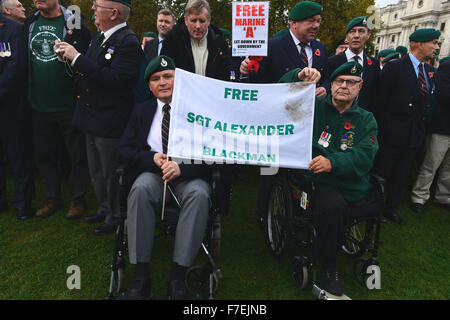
pixel 250 28
pixel 254 124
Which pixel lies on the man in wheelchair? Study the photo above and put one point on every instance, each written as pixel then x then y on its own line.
pixel 344 149
pixel 143 149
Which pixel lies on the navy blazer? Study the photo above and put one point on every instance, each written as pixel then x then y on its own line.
pixel 105 86
pixel 13 71
pixel 283 56
pixel 151 48
pixel 401 106
pixel 371 77
pixel 134 152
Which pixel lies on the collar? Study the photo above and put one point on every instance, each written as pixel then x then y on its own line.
pixel 110 32
pixel 416 62
pixel 296 41
pixel 160 39
pixel 353 108
pixel 161 105
pixel 350 55
pixel 202 41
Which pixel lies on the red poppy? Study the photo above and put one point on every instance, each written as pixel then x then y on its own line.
pixel 253 66
pixel 372 139
pixel 348 126
pixel 369 61
pixel 431 74
pixel 1 24
pixel 256 58
pixel 318 52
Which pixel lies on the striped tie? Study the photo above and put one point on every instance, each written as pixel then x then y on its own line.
pixel 422 81
pixel 303 55
pixel 165 125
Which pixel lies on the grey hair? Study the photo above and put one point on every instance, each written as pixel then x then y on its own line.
pixel 5 4
pixel 197 6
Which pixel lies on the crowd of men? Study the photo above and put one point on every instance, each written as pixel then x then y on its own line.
pixel 85 102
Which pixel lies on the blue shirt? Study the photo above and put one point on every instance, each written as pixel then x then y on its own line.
pixel 416 64
pixel 159 45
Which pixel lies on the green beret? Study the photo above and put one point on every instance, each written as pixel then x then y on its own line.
pixel 443 60
pixel 424 35
pixel 125 2
pixel 389 57
pixel 342 41
pixel 304 10
pixel 402 50
pixel 226 33
pixel 385 52
pixel 157 64
pixel 281 32
pixel 150 34
pixel 352 68
pixel 357 22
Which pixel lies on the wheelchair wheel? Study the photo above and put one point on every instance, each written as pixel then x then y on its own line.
pixel 299 272
pixel 361 270
pixel 120 275
pixel 200 282
pixel 278 210
pixel 353 245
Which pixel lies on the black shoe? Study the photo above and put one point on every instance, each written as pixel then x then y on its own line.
pixel 3 207
pixel 105 229
pixel 417 208
pixel 393 216
pixel 94 219
pixel 177 290
pixel 140 289
pixel 445 206
pixel 24 214
pixel 329 281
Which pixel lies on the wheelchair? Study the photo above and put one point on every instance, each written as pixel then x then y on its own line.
pixel 285 213
pixel 201 280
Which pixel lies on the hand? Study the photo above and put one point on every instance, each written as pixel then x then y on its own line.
pixel 321 92
pixel 244 67
pixel 170 170
pixel 67 51
pixel 320 164
pixel 159 159
pixel 309 75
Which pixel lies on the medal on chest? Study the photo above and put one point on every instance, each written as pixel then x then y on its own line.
pixel 324 140
pixel 109 53
pixel 5 49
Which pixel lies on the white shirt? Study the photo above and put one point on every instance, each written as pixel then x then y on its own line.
pixel 154 136
pixel 351 56
pixel 308 49
pixel 160 40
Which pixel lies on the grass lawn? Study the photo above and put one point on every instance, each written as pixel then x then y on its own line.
pixel 35 255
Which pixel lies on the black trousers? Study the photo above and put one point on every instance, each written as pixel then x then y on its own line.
pixel 16 145
pixel 48 129
pixel 394 164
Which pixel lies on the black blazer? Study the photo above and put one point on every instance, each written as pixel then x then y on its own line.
pixel 283 56
pixel 401 106
pixel 13 71
pixel 371 77
pixel 105 87
pixel 440 122
pixel 151 48
pixel 134 152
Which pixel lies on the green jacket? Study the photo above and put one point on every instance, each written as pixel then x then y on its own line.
pixel 357 129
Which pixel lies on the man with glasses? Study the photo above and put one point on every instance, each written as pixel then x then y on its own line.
pixel 106 77
pixel 52 100
pixel 344 147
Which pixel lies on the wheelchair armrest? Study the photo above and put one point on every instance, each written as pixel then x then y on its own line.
pixel 221 186
pixel 377 183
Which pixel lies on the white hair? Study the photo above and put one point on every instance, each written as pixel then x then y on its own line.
pixel 5 4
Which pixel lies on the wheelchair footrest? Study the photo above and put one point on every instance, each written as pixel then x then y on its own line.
pixel 324 295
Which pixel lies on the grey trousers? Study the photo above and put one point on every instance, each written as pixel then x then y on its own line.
pixel 102 168
pixel 437 155
pixel 144 203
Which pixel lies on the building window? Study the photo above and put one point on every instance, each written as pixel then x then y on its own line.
pixel 393 38
pixel 378 40
pixel 420 4
pixel 395 16
pixel 442 26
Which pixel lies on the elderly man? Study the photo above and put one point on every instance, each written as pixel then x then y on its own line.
pixel 143 149
pixel 197 46
pixel 406 85
pixel 53 99
pixel 358 33
pixel 297 48
pixel 344 148
pixel 12 9
pixel 14 116
pixel 164 23
pixel 106 77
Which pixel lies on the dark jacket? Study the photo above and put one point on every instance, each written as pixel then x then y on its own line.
pixel 440 122
pixel 283 56
pixel 105 87
pixel 134 152
pixel 401 106
pixel 177 45
pixel 151 48
pixel 371 76
pixel 13 71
